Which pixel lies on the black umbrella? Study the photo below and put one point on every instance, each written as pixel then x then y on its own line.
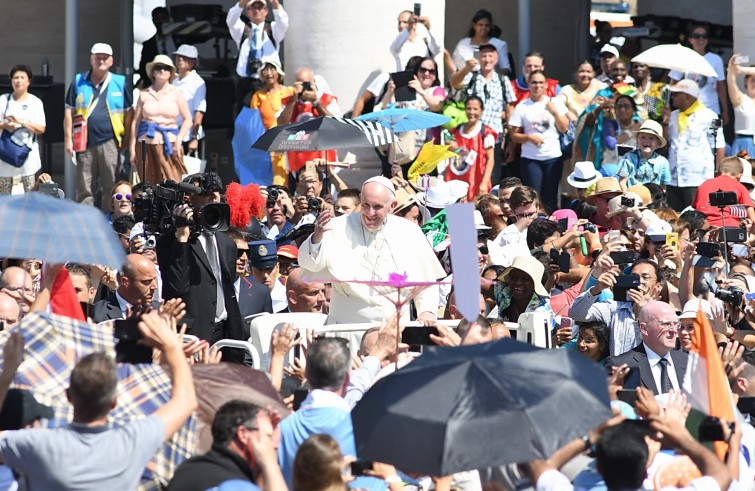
pixel 471 407
pixel 325 133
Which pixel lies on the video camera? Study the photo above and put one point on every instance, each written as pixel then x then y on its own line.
pixel 155 207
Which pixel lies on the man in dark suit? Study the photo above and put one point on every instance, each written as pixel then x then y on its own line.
pixel 137 284
pixel 661 366
pixel 159 44
pixel 254 298
pixel 200 269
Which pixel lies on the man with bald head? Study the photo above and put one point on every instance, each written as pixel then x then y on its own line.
pixel 137 284
pixel 17 283
pixel 661 365
pixel 304 296
pixel 10 312
pixel 370 245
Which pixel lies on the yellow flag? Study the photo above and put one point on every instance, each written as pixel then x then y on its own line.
pixel 428 159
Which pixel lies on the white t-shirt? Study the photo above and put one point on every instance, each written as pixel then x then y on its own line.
pixel 534 118
pixel 378 84
pixel 195 91
pixel 708 85
pixel 33 111
pixel 690 156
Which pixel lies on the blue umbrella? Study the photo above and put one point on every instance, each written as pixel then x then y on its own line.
pixel 400 119
pixel 37 226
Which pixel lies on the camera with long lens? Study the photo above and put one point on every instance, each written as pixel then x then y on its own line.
pixel 155 208
pixel 732 295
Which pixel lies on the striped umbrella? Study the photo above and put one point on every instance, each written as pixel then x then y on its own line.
pixel 325 133
pixel 52 346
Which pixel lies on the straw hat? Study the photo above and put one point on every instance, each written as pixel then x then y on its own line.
pixel 643 192
pixel 161 60
pixel 653 128
pixel 607 187
pixel 530 266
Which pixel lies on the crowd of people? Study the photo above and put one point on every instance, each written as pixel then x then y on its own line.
pixel 611 206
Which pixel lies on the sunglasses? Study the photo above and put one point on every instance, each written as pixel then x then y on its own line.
pixel 431 71
pixel 161 68
pixel 698 36
pixel 119 196
pixel 242 252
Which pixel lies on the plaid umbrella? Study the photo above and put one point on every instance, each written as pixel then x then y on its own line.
pixel 38 226
pixel 53 345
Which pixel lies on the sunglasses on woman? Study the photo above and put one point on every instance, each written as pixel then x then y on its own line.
pixel 161 68
pixel 698 36
pixel 119 196
pixel 431 71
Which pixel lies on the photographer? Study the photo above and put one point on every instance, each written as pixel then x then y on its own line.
pixel 730 171
pixel 199 268
pixel 279 210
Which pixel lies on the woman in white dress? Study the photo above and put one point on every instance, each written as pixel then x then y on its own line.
pixel 22 114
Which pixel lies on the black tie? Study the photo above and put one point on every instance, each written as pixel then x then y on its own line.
pixel 665 380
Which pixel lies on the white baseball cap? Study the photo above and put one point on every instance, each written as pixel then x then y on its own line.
pixel 686 86
pixel 609 48
pixel 101 49
pixel 187 51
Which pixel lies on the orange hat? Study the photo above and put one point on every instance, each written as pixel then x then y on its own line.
pixel 289 251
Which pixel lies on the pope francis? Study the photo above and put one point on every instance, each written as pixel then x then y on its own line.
pixel 369 246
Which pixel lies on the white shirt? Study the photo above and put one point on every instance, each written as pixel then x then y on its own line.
pixel 203 242
pixel 195 91
pixel 32 110
pixel 269 51
pixel 533 118
pixel 708 85
pixel 690 156
pixel 424 45
pixel 378 83
pixel 655 367
pixel 123 304
pixel 465 51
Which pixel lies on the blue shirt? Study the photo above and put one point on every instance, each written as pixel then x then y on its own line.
pixel 654 170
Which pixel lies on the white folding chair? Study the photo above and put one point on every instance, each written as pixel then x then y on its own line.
pixel 245 345
pixel 535 329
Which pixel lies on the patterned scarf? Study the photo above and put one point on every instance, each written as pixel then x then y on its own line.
pixel 502 295
pixel 684 115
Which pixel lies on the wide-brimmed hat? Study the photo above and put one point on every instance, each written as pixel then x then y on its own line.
pixel 653 128
pixel 275 65
pixel 532 267
pixel 442 193
pixel 615 207
pixel 161 60
pixel 584 174
pixel 746 178
pixel 643 192
pixel 686 86
pixel 187 51
pixel 607 187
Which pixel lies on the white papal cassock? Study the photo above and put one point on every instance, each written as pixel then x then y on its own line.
pixel 350 251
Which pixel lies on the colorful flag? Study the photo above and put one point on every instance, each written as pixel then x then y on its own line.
pixel 705 382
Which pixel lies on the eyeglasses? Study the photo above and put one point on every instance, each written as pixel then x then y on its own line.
pixel 670 325
pixel 537 82
pixel 161 68
pixel 242 252
pixel 698 36
pixel 532 214
pixel 119 196
pixel 431 71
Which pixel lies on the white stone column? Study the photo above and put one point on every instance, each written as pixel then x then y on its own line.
pixel 347 41
pixel 744 35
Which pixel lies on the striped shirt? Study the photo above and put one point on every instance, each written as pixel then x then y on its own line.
pixel 618 316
